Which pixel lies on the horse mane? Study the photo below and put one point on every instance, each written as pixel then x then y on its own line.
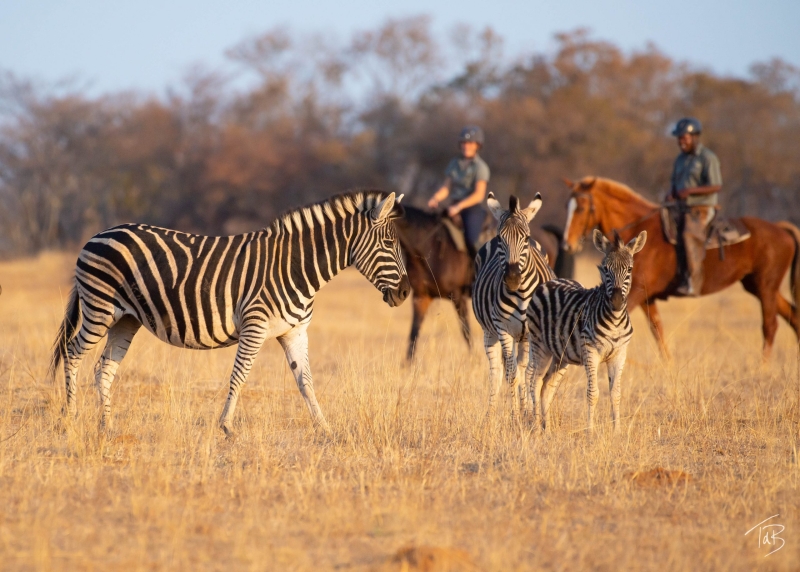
pixel 420 218
pixel 619 191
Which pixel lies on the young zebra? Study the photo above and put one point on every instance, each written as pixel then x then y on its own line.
pixel 572 325
pixel 206 292
pixel 507 269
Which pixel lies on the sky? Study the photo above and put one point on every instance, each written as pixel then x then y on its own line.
pixel 147 45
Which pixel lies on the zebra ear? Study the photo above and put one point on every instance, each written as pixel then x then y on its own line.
pixel 382 209
pixel 533 208
pixel 636 244
pixel 601 243
pixel 494 205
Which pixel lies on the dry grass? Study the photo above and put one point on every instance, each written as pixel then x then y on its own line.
pixel 412 479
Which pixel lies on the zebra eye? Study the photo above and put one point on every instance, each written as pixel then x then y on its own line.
pixel 387 242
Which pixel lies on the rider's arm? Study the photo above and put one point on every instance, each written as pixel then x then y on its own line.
pixel 474 199
pixel 441 194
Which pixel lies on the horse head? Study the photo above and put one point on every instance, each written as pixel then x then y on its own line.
pixel 581 213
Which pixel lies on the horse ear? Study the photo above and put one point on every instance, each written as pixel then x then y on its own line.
pixel 494 205
pixel 533 208
pixel 587 183
pixel 637 244
pixel 568 182
pixel 601 243
pixel 382 209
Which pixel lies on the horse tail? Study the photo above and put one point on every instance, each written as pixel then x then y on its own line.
pixel 794 272
pixel 564 266
pixel 66 332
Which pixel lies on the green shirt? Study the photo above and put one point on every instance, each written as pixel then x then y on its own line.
pixel 464 173
pixel 699 168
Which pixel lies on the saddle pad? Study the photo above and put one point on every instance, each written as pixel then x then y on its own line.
pixel 721 232
pixel 456 234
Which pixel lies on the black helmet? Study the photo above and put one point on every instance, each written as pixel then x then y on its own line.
pixel 687 125
pixel 471 133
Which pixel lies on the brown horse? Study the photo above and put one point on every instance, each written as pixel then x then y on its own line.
pixel 438 269
pixel 759 263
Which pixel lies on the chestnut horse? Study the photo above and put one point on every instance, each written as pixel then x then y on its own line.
pixel 759 263
pixel 438 269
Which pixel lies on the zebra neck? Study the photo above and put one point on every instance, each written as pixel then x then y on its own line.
pixel 313 247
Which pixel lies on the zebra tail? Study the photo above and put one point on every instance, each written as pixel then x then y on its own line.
pixel 794 272
pixel 66 332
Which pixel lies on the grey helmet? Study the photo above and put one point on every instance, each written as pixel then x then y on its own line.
pixel 471 133
pixel 687 125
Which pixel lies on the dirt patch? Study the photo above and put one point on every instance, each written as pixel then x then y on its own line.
pixel 429 559
pixel 658 477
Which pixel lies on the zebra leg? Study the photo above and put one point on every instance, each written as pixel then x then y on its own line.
pixel 295 344
pixel 538 361
pixel 119 340
pixel 250 341
pixel 590 362
pixel 521 371
pixel 551 382
pixel 509 345
pixel 615 367
pixel 494 352
pixel 94 326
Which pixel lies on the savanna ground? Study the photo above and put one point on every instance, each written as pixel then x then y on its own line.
pixel 412 478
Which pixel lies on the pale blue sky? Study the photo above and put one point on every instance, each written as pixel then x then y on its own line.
pixel 146 44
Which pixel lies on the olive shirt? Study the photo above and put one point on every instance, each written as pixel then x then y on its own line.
pixel 700 168
pixel 464 173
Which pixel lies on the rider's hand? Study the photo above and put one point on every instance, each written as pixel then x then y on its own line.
pixel 453 211
pixel 433 203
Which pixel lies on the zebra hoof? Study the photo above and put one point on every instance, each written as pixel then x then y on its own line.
pixel 230 434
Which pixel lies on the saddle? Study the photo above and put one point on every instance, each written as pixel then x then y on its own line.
pixel 721 231
pixel 456 233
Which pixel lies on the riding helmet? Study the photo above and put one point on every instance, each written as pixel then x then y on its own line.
pixel 471 133
pixel 687 125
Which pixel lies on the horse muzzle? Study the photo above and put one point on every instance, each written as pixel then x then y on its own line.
pixel 397 296
pixel 512 277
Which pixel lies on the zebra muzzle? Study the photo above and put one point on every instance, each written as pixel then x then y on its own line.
pixel 398 295
pixel 513 277
pixel 617 299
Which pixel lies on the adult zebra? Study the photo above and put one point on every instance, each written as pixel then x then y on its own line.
pixel 205 292
pixel 507 270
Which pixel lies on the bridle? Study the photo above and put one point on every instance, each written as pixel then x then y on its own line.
pixel 587 226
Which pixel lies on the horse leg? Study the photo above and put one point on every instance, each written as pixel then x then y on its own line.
pixel 769 312
pixel 462 307
pixel 421 305
pixel 654 319
pixel 787 312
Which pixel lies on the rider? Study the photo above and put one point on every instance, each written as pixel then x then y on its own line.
pixel 696 181
pixel 465 183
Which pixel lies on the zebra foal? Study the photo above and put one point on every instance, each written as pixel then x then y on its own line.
pixel 570 324
pixel 507 269
pixel 206 292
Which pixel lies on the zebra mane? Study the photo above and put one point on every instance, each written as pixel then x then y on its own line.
pixel 340 206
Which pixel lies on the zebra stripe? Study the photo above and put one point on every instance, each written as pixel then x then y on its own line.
pixel 507 270
pixel 207 292
pixel 570 324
